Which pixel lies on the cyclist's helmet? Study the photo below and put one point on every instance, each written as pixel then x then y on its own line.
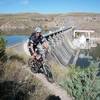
pixel 38 29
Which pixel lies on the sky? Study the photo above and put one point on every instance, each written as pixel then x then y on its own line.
pixel 49 6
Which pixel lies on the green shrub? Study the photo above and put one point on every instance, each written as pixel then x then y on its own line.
pixel 82 84
pixel 3 56
pixel 11 90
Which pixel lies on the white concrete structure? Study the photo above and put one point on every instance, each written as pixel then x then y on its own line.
pixel 83 39
pixel 86 32
pixel 80 42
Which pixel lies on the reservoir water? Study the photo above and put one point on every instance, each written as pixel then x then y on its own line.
pixel 14 39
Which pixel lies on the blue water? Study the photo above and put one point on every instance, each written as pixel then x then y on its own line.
pixel 83 62
pixel 14 39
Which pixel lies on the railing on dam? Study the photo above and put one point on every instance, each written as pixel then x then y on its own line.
pixel 52 33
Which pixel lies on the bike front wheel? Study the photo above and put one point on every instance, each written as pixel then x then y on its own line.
pixel 48 73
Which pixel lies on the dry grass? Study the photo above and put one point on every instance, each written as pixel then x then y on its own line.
pixel 13 54
pixel 59 72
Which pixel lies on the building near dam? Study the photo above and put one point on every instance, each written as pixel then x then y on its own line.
pixel 84 39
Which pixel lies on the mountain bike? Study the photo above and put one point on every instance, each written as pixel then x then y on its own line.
pixel 41 66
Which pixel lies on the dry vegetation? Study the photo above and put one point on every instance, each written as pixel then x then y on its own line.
pixel 15 71
pixel 59 72
pixel 15 74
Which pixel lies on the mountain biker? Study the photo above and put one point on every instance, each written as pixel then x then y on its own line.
pixel 36 38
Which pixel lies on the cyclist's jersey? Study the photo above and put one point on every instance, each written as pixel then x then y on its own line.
pixel 33 39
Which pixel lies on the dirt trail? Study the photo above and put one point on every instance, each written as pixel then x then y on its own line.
pixel 52 87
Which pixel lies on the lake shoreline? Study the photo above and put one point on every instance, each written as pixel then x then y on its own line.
pixel 14 39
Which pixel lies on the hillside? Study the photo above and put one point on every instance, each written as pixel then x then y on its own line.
pixel 25 22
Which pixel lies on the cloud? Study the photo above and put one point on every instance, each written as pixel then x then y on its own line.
pixel 25 2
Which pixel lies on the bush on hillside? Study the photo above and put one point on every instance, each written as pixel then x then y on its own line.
pixel 11 90
pixel 3 56
pixel 82 84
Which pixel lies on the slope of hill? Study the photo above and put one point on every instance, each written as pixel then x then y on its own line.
pixel 25 22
